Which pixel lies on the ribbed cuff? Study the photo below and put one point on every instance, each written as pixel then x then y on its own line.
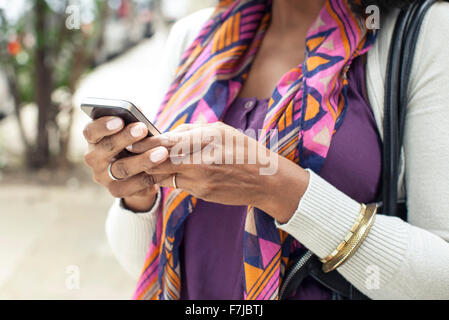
pixel 129 234
pixel 325 216
pixel 150 212
pixel 137 225
pixel 316 223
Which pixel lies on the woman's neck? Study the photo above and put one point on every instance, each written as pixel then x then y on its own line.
pixel 289 16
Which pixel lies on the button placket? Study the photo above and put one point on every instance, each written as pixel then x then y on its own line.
pixel 249 104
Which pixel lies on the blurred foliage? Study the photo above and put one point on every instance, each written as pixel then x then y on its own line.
pixel 46 50
pixel 62 45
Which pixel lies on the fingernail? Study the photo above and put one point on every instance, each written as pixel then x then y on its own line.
pixel 158 154
pixel 129 148
pixel 138 130
pixel 114 124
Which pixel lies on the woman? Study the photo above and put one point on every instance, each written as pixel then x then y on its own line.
pixel 297 70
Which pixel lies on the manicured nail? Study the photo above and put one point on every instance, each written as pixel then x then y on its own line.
pixel 114 124
pixel 158 154
pixel 138 130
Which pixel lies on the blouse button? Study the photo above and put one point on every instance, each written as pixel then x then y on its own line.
pixel 248 104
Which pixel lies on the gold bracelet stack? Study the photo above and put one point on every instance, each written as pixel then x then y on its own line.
pixel 353 239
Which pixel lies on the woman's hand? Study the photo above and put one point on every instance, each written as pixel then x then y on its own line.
pixel 107 137
pixel 244 172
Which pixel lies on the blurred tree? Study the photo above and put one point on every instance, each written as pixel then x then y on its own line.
pixel 44 53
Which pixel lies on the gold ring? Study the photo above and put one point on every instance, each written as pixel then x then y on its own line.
pixel 174 181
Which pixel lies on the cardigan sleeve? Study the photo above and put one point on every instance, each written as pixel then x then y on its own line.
pixel 398 260
pixel 129 234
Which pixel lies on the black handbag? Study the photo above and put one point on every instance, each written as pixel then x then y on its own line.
pixel 400 61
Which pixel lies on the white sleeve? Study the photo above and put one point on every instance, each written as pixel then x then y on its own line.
pixel 398 260
pixel 129 234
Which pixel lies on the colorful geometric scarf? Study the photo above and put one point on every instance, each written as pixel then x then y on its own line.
pixel 306 108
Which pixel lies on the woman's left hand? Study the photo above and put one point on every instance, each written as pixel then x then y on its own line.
pixel 217 163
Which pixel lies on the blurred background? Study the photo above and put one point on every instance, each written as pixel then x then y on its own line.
pixel 52 54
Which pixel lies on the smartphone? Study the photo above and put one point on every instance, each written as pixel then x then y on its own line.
pixel 98 107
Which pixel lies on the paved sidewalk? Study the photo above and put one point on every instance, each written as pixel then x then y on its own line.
pixel 44 231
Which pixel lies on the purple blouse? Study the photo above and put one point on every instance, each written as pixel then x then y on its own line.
pixel 211 253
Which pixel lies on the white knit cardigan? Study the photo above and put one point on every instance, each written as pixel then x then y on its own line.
pixel 398 260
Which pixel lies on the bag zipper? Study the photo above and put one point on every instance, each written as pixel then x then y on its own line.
pixel 294 270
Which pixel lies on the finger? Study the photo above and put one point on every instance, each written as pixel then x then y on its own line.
pixel 97 129
pixel 167 167
pixel 147 192
pixel 130 166
pixel 155 141
pixel 160 177
pixel 131 186
pixel 110 146
pixel 144 145
pixel 188 142
pixel 183 143
pixel 90 147
pixel 168 139
pixel 168 181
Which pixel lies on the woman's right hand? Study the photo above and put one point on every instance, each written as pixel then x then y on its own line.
pixel 106 138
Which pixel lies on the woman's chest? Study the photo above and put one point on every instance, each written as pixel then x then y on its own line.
pixel 269 65
pixel 353 162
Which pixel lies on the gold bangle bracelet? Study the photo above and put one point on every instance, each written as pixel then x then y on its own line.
pixel 348 236
pixel 353 240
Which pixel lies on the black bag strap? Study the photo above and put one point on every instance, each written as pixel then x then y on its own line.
pixel 400 61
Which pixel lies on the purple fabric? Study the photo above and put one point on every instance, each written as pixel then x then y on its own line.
pixel 212 251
